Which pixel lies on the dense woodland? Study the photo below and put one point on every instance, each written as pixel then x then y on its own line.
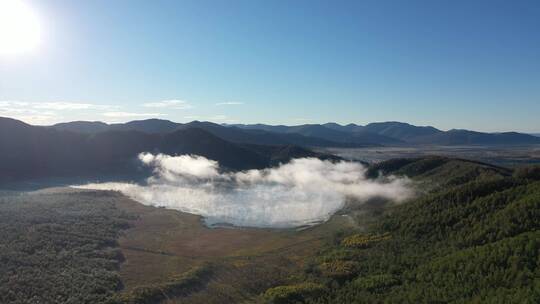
pixel 59 248
pixel 472 238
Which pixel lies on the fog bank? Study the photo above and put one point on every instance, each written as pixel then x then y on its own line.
pixel 301 192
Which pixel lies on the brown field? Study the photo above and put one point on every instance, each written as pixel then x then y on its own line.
pixel 245 261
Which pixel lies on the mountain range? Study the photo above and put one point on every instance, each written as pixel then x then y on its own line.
pixel 98 149
pixel 33 151
pixel 316 135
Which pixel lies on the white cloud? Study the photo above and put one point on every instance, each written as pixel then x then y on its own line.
pixel 54 105
pixel 8 103
pixel 184 166
pixel 172 104
pixel 301 192
pixel 131 114
pixel 229 103
pixel 45 113
pixel 35 119
pixel 25 112
pixel 71 106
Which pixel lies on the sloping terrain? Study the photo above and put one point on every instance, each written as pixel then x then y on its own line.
pixel 32 152
pixel 399 130
pixel 89 127
pixel 473 237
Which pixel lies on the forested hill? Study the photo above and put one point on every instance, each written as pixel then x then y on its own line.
pixel 472 238
pixel 30 152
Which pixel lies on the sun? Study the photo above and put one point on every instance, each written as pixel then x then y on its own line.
pixel 19 27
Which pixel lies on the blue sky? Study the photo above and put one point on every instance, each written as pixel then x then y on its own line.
pixel 450 64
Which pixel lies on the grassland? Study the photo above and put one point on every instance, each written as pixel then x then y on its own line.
pixel 243 262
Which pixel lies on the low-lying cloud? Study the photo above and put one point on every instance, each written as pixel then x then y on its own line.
pixel 175 104
pixel 301 192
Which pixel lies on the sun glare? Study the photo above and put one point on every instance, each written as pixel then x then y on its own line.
pixel 19 27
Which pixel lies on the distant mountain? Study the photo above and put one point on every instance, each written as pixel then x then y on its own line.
pixel 82 126
pixel 346 128
pixel 399 130
pixel 342 136
pixel 399 133
pixel 31 151
pixel 263 137
pixel 147 126
pixel 269 128
pixel 36 151
pixel 229 133
pixel 331 132
pixel 307 129
pixel 315 135
pixel 265 134
pixel 257 137
pixel 535 134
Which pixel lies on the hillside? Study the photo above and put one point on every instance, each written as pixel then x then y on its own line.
pixel 348 135
pixel 399 130
pixel 344 128
pixel 33 152
pixel 340 135
pixel 90 127
pixel 473 237
pixel 146 126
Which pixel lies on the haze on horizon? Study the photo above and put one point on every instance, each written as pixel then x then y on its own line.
pixel 467 65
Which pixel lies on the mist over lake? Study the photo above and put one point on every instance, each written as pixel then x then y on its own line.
pixel 302 192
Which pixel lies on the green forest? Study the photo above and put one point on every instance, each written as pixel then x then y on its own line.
pixel 472 237
pixel 60 247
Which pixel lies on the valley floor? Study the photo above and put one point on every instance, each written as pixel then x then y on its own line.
pixel 244 262
pixel 503 155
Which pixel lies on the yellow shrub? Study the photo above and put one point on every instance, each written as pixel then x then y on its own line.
pixel 363 241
